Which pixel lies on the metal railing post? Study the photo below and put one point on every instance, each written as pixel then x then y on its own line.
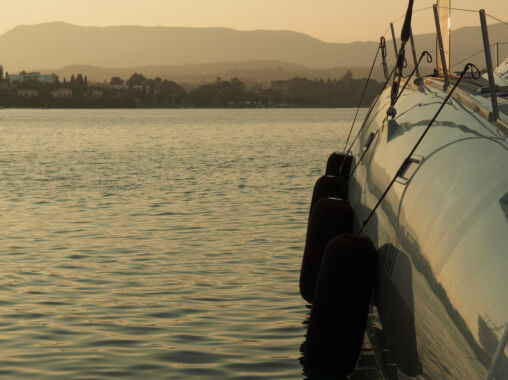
pixel 441 49
pixel 394 41
pixel 413 49
pixel 382 46
pixel 497 54
pixel 488 61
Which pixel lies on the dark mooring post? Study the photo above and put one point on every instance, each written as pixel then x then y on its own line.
pixel 488 62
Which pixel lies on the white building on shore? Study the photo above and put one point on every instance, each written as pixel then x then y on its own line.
pixel 23 76
pixel 28 93
pixel 62 93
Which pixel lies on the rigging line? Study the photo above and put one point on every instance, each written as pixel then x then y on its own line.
pixel 415 11
pixel 460 9
pixel 386 31
pixel 407 159
pixel 501 21
pixel 451 56
pixel 422 9
pixel 363 94
pixel 429 60
pixel 471 56
pixel 365 120
pixel 371 107
pixel 401 17
pixel 464 10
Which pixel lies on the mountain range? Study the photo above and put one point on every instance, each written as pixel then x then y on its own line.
pixel 197 54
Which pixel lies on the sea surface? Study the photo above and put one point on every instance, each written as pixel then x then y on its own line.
pixel 157 244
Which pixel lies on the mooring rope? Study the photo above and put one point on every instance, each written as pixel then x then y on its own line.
pixel 363 94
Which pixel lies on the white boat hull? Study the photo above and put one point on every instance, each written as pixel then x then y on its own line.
pixel 441 232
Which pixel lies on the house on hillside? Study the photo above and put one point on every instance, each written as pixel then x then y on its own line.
pixel 95 94
pixel 283 85
pixel 119 86
pixel 28 93
pixel 141 88
pixel 36 76
pixel 62 93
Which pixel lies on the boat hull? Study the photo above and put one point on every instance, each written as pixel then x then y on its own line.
pixel 441 301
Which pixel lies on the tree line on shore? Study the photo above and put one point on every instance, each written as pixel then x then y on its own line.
pixel 138 91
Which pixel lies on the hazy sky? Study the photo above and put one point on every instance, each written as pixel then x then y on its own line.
pixel 329 20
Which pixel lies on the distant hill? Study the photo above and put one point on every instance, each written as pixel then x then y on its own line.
pixel 57 44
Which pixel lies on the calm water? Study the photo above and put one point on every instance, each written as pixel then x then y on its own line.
pixel 156 243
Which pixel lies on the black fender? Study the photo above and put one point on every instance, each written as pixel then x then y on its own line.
pixel 330 217
pixel 339 164
pixel 341 305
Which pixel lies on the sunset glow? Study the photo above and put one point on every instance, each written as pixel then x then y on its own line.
pixel 329 20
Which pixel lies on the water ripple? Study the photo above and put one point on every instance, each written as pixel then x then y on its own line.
pixel 163 244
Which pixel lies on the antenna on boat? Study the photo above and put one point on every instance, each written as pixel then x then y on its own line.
pixel 404 37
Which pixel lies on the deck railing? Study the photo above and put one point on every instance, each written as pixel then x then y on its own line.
pixel 490 69
pixel 445 68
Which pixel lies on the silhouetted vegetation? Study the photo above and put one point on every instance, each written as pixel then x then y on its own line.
pixel 221 93
pixel 303 92
pixel 138 91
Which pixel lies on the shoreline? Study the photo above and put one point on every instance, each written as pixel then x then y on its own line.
pixel 167 108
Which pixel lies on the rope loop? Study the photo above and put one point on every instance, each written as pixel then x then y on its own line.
pixel 474 70
pixel 429 56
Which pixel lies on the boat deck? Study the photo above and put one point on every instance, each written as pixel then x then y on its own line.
pixel 475 94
